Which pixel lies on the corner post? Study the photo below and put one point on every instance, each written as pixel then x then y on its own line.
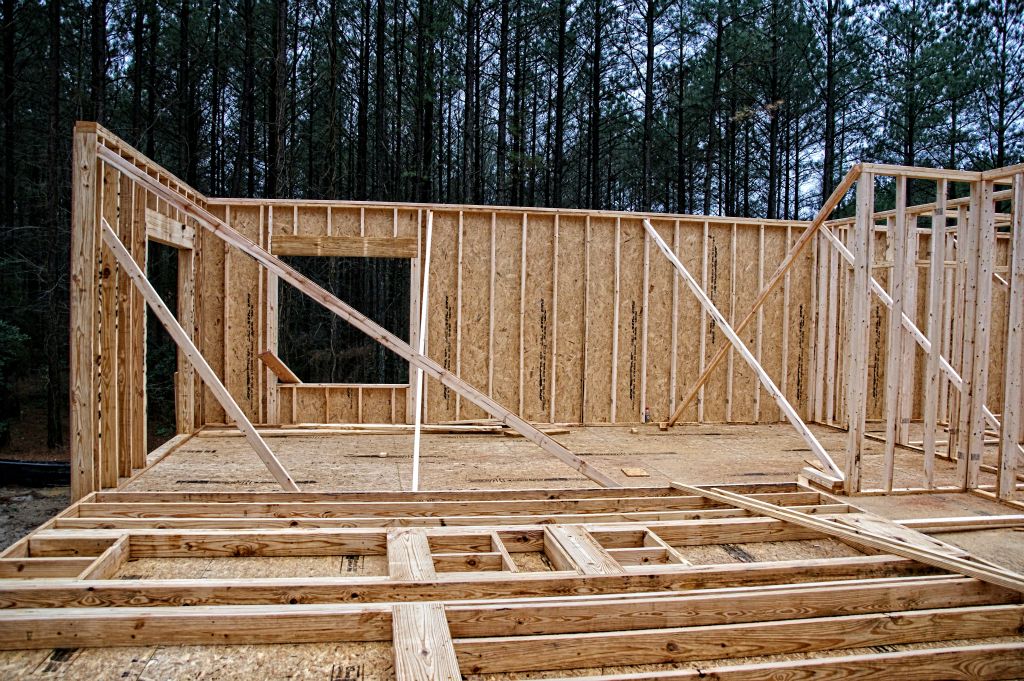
pixel 85 208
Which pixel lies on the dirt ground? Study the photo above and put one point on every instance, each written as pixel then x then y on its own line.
pixel 22 509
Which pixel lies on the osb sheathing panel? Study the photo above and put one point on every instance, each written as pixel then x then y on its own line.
pixel 555 332
pixel 475 309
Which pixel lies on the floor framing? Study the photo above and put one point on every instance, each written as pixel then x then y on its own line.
pixel 516 581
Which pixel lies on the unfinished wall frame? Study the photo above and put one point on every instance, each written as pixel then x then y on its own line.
pixel 565 315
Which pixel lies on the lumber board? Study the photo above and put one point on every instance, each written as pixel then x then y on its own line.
pixel 423 644
pixel 345 246
pixel 409 555
pixel 165 230
pixel 871 541
pixel 955 663
pixel 278 367
pixel 302 623
pixel 572 547
pixel 748 639
pixel 484 585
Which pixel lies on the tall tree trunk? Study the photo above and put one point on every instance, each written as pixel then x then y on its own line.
pixel 828 166
pixel 563 21
pixel 216 125
pixel 363 104
pixel 471 68
pixel 55 323
pixel 595 107
pixel 98 59
pixel 10 107
pixel 645 190
pixel 153 11
pixel 501 151
pixel 276 94
pixel 716 87
pixel 379 88
pixel 188 114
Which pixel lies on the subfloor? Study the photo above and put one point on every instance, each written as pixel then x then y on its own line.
pixel 696 454
pixel 688 453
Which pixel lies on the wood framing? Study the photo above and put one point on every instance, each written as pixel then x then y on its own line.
pixel 453 601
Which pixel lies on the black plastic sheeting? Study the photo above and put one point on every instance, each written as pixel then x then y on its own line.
pixel 35 473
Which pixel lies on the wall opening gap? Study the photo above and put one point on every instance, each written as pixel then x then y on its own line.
pixel 319 346
pixel 161 352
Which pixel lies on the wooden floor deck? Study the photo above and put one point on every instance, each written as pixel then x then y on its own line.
pixel 197 566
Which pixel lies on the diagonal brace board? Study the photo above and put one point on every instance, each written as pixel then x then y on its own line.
pixel 356 319
pixel 780 399
pixel 863 538
pixel 209 376
pixel 766 290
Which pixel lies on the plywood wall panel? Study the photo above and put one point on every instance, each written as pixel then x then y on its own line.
pixel 538 323
pixel 600 329
pixel 241 315
pixel 773 321
pixel 800 332
pixel 656 368
pixel 718 272
pixel 631 311
pixel 211 288
pixel 508 245
pixel 571 288
pixel 442 312
pixel 745 276
pixel 475 306
pixel 688 337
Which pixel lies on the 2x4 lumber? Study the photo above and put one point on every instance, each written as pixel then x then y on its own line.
pixel 869 540
pixel 137 333
pixel 978 389
pixel 185 380
pixel 629 612
pixel 369 327
pixel 109 368
pixel 41 628
pixel 110 561
pixel 857 331
pixel 741 348
pixel 894 358
pixel 187 625
pixel 126 345
pixel 88 523
pixel 791 257
pixel 170 232
pixel 936 277
pixel 277 366
pixel 957 663
pixel 409 555
pixel 421 340
pixel 447 507
pixel 344 246
pixel 571 547
pixel 30 593
pixel 423 644
pixel 964 523
pixel 747 639
pixel 1013 390
pixel 569 540
pixel 186 346
pixel 31 568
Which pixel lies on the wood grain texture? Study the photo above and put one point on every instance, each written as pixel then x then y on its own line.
pixel 423 644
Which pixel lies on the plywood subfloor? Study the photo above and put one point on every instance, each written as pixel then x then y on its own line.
pixel 687 453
